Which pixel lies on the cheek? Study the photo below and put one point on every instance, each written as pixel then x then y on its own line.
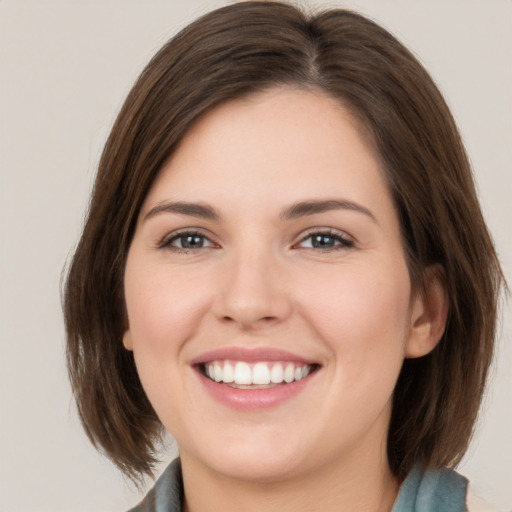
pixel 163 311
pixel 362 313
pixel 162 308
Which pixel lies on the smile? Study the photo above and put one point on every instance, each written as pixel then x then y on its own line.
pixel 262 374
pixel 253 379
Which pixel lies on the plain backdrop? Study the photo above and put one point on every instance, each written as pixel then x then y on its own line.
pixel 65 68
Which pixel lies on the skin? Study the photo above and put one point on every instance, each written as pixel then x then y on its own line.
pixel 258 281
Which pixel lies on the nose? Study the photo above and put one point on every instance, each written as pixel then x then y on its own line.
pixel 253 294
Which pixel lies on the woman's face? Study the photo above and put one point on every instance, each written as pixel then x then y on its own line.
pixel 268 297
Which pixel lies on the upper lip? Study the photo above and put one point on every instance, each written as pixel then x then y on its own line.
pixel 250 355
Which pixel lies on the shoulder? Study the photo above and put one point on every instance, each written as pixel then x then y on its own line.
pixel 427 490
pixel 441 489
pixel 167 493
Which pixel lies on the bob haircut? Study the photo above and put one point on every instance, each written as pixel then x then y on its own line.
pixel 238 50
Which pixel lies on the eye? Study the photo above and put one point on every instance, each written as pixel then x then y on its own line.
pixel 326 240
pixel 187 241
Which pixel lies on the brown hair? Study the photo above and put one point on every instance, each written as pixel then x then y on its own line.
pixel 247 47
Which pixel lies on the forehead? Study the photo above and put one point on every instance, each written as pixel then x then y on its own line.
pixel 278 144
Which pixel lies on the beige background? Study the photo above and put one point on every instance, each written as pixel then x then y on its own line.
pixel 65 67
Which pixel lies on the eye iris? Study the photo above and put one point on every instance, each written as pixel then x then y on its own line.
pixel 192 241
pixel 323 241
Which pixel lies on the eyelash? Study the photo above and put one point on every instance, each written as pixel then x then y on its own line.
pixel 167 242
pixel 341 242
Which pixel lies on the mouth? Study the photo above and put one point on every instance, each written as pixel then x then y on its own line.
pixel 255 375
pixel 254 379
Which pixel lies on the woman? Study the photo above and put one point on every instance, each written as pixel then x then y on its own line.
pixel 284 265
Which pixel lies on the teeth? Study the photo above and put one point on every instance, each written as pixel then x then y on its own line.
pixel 277 374
pixel 260 374
pixel 243 374
pixel 289 373
pixel 217 372
pixel 228 374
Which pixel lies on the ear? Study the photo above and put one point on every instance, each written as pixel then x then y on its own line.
pixel 127 340
pixel 429 312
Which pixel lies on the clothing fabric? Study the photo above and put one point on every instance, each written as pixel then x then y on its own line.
pixel 423 491
pixel 441 490
pixel 167 493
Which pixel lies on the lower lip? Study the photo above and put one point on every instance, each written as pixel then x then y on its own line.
pixel 254 399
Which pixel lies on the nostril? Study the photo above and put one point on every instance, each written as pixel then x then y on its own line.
pixel 262 319
pixel 250 324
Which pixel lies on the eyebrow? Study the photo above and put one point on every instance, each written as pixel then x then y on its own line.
pixel 304 208
pixel 200 210
pixel 297 210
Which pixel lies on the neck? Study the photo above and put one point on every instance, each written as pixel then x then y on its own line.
pixel 364 484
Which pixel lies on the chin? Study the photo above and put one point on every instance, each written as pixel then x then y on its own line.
pixel 259 459
pixel 259 467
